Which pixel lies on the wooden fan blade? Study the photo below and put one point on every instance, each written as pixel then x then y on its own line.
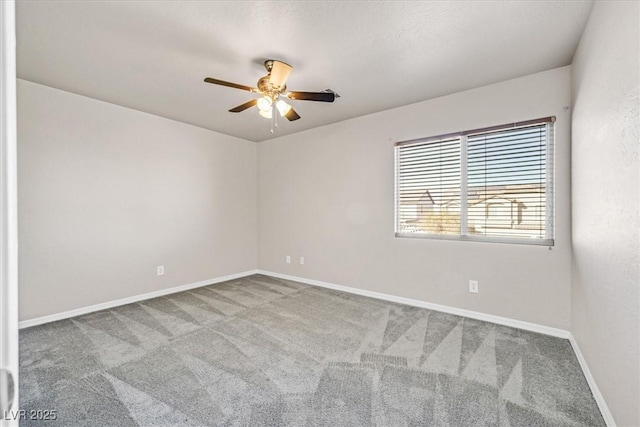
pixel 312 96
pixel 279 74
pixel 292 115
pixel 229 84
pixel 244 106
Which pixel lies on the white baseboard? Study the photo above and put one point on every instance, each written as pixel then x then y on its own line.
pixel 129 300
pixel 602 405
pixel 533 327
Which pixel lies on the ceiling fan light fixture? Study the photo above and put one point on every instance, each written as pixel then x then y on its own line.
pixel 264 104
pixel 283 107
pixel 266 114
pixel 279 74
pixel 271 89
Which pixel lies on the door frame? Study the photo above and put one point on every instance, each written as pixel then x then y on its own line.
pixel 8 205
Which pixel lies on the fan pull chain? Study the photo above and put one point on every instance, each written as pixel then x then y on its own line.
pixel 274 114
pixel 274 118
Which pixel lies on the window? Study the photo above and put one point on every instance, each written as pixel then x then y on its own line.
pixel 493 184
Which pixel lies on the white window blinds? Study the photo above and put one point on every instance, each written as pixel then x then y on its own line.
pixel 492 184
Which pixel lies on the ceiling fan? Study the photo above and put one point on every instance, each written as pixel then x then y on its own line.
pixel 272 89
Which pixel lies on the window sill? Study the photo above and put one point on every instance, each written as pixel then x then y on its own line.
pixel 515 241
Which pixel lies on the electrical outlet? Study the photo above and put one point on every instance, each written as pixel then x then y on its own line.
pixel 160 270
pixel 473 286
pixel 301 260
pixel 288 259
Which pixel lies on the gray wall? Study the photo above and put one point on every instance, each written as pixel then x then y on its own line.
pixel 328 194
pixel 605 193
pixel 107 193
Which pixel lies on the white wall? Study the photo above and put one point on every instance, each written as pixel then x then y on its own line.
pixel 605 196
pixel 328 194
pixel 107 193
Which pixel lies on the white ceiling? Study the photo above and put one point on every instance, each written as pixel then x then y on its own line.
pixel 153 55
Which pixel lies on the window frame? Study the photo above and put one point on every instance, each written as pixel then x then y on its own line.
pixel 549 230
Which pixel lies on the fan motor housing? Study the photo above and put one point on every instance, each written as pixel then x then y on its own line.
pixel 265 86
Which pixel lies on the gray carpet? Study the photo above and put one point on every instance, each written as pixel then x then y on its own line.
pixel 260 351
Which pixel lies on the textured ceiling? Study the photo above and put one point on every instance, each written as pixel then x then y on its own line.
pixel 153 55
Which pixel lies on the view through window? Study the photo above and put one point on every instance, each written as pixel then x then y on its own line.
pixel 492 184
